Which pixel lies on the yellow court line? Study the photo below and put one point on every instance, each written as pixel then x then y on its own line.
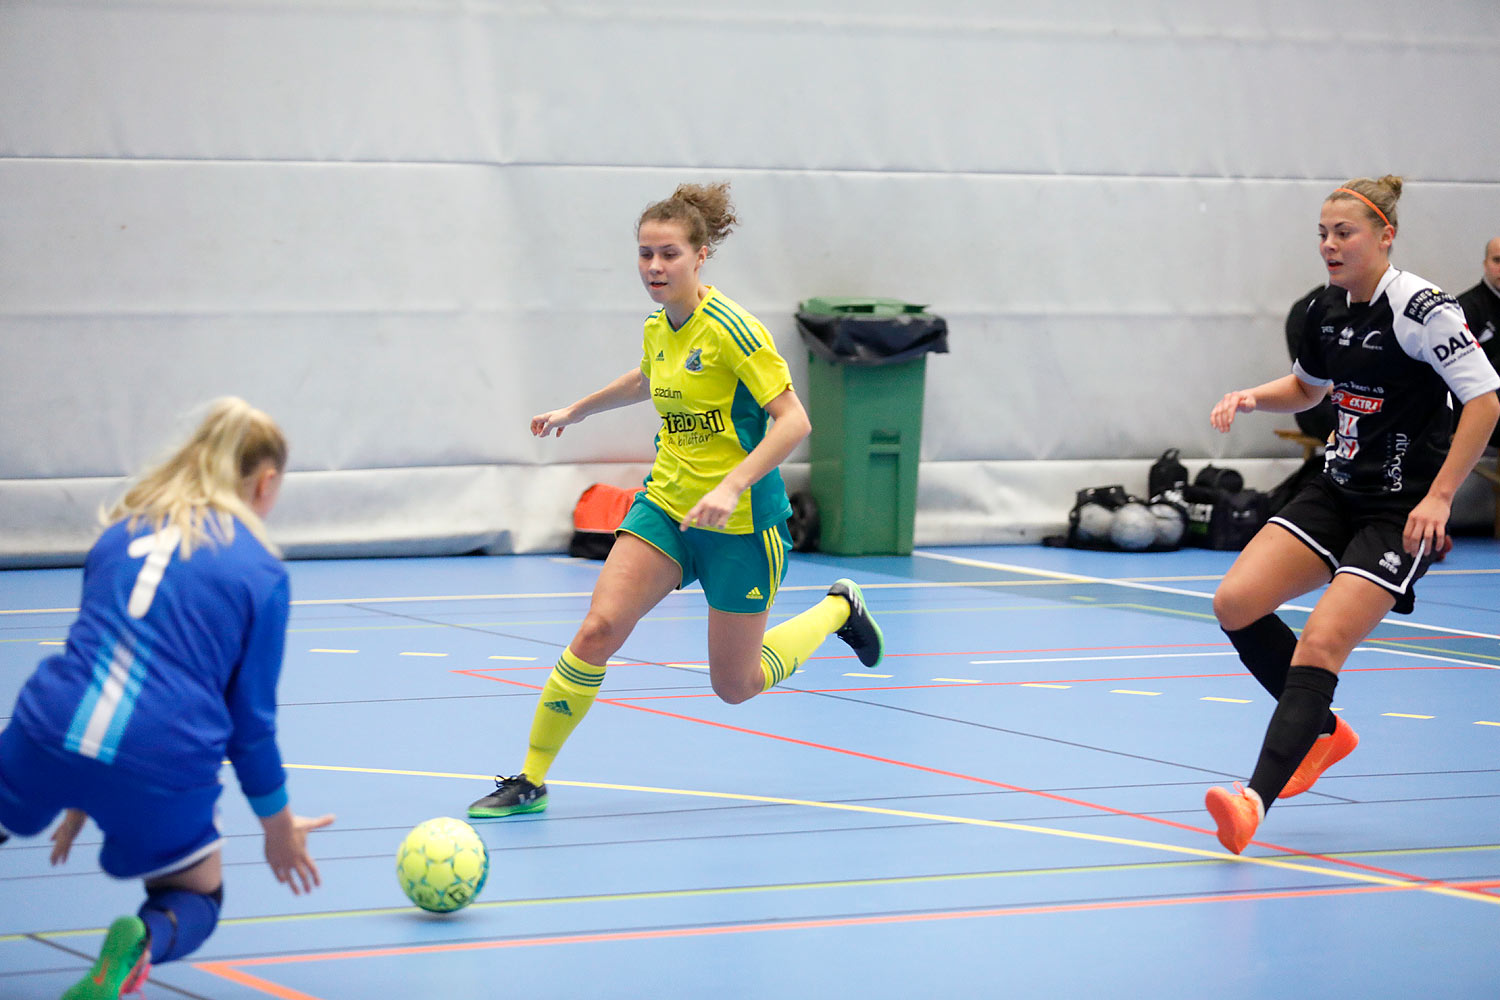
pixel 1039 684
pixel 410 653
pixel 1146 694
pixel 994 824
pixel 333 650
pixel 1404 715
pixel 958 680
pixel 1202 856
pixel 1232 701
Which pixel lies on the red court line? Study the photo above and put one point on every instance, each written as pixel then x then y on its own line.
pixel 619 703
pixel 230 967
pixel 481 672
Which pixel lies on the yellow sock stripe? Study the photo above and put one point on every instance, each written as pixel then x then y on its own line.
pixel 775 669
pixel 583 678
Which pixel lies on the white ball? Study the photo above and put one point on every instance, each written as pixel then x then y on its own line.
pixel 1094 520
pixel 1170 523
pixel 1133 527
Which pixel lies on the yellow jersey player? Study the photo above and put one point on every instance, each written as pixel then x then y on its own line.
pixel 713 509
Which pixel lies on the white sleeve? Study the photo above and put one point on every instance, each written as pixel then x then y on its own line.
pixel 1432 329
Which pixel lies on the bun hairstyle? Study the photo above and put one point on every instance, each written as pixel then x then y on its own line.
pixel 196 489
pixel 1378 196
pixel 704 210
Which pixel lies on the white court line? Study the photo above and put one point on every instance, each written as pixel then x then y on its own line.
pixel 1123 656
pixel 1076 578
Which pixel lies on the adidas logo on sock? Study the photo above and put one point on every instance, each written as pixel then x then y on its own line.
pixel 755 595
pixel 560 707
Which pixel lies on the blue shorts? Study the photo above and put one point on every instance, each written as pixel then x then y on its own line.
pixel 740 573
pixel 148 831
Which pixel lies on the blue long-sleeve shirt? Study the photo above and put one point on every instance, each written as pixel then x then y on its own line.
pixel 171 665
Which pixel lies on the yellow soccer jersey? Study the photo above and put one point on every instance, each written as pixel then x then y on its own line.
pixel 710 381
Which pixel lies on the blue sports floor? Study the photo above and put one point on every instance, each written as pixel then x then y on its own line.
pixel 1010 806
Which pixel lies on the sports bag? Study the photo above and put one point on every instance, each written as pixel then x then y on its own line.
pixel 596 515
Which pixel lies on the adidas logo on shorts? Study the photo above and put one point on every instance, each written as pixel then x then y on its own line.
pixel 755 595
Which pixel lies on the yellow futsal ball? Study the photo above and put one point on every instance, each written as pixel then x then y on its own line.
pixel 442 865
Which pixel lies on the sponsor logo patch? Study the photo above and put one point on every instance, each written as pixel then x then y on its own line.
pixel 1346 400
pixel 1456 345
pixel 1424 302
pixel 695 360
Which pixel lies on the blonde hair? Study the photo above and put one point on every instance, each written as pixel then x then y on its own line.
pixel 704 210
pixel 196 489
pixel 1379 197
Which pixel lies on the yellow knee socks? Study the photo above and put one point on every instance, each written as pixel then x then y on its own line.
pixel 788 644
pixel 566 697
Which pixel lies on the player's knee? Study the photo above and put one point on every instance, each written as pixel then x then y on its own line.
pixel 1319 647
pixel 179 920
pixel 1234 609
pixel 736 688
pixel 599 637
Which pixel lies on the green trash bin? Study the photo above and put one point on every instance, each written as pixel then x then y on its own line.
pixel 866 368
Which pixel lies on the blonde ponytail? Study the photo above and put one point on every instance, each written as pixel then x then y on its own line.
pixel 196 489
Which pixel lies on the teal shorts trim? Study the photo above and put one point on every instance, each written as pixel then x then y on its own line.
pixel 740 573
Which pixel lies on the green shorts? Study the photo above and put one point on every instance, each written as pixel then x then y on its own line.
pixel 740 573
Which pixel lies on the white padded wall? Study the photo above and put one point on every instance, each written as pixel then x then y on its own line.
pixel 404 227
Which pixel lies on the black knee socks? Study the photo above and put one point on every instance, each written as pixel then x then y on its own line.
pixel 1265 647
pixel 1299 714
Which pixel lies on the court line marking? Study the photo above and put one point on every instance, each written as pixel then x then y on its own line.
pixel 1353 871
pixel 233 969
pixel 740 890
pixel 1435 884
pixel 1129 584
pixel 1035 578
pixel 1087 659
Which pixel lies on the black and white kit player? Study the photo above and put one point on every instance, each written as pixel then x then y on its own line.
pixel 1389 365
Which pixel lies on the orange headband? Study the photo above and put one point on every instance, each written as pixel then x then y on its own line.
pixel 1373 206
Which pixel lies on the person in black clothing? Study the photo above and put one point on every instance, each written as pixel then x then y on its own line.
pixel 1318 421
pixel 1481 306
pixel 1387 347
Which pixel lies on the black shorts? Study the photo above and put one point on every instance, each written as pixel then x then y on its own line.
pixel 1358 533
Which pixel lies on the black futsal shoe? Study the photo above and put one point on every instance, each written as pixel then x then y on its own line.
pixel 512 795
pixel 860 631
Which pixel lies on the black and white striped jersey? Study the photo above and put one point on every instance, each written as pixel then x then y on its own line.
pixel 1390 364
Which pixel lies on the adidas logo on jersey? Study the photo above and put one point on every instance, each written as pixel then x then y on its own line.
pixel 560 707
pixel 660 356
pixel 755 595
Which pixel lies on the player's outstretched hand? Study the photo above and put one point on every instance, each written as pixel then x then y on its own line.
pixel 552 421
pixel 1239 401
pixel 65 834
pixel 286 849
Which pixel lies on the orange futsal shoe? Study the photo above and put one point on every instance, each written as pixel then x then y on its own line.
pixel 1237 813
pixel 1326 751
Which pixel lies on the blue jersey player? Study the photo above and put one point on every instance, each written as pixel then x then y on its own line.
pixel 170 668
